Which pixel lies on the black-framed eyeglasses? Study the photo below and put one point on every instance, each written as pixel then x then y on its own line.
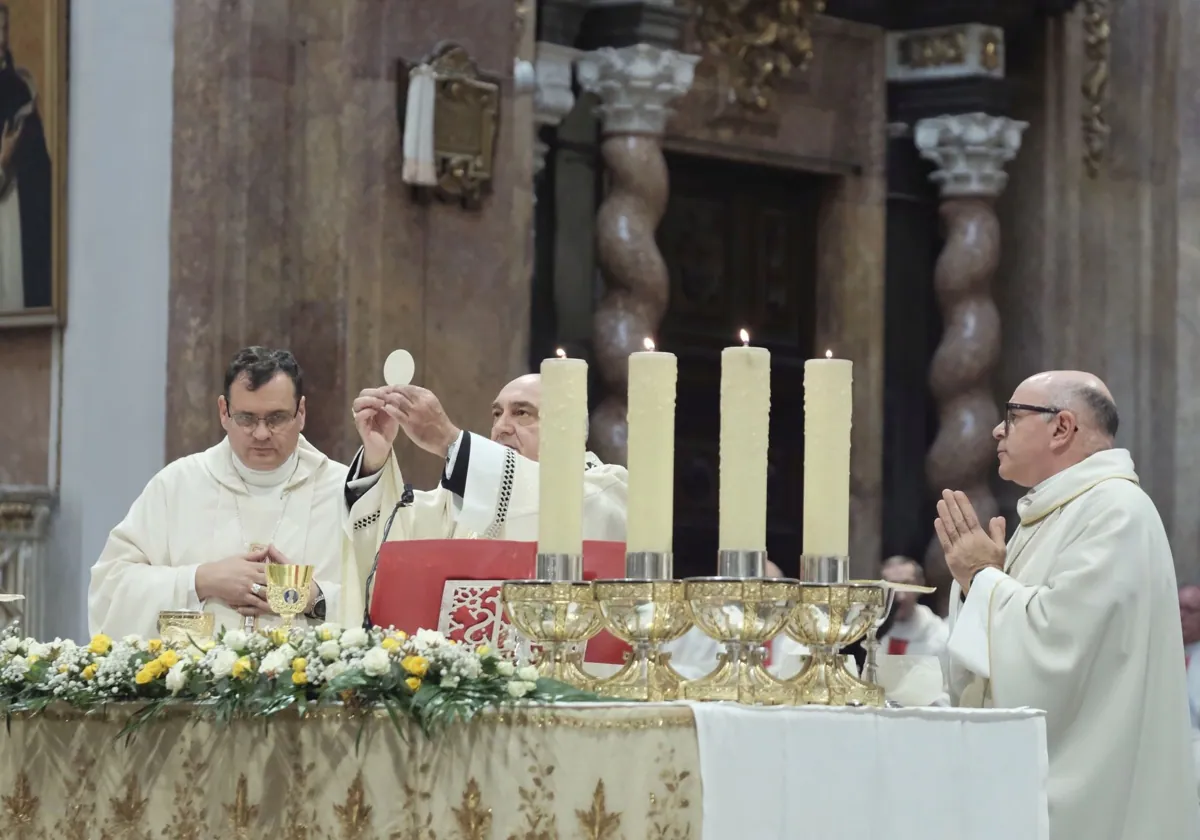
pixel 274 421
pixel 1010 418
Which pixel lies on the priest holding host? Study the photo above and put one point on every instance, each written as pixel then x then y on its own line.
pixel 201 534
pixel 1077 615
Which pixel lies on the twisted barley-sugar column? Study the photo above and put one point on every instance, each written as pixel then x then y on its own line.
pixel 970 151
pixel 635 86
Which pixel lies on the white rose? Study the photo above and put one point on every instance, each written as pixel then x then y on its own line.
pixel 333 670
pixel 132 640
pixel 376 662
pixel 12 644
pixel 275 662
pixel 177 677
pixel 355 637
pixel 518 689
pixel 431 638
pixel 329 630
pixel 222 663
pixel 329 651
pixel 505 668
pixel 235 640
pixel 39 650
pixel 528 673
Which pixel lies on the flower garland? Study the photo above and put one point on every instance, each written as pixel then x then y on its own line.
pixel 426 677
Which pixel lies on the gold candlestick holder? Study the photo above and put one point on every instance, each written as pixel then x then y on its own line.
pixel 828 617
pixel 647 614
pixel 743 614
pixel 557 617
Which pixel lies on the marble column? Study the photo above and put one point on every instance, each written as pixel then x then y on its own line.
pixel 636 86
pixel 969 151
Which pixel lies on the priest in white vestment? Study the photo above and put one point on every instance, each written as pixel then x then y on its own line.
pixel 200 534
pixel 915 630
pixel 1077 616
pixel 489 486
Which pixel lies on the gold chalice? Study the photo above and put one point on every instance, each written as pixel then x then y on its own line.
pixel 557 617
pixel 828 617
pixel 288 589
pixel 181 628
pixel 646 614
pixel 743 614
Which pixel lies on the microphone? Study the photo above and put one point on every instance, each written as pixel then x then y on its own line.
pixel 406 499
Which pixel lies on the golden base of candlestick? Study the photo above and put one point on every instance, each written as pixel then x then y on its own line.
pixel 827 618
pixel 743 615
pixel 557 617
pixel 646 614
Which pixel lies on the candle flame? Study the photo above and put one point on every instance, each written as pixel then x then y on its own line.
pixel 828 354
pixel 648 343
pixel 561 353
pixel 745 337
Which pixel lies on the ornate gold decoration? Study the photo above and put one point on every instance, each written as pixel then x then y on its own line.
pixel 300 817
pixel 937 48
pixel 182 627
pixel 557 617
pixel 288 590
pixel 466 119
pixel 128 818
pixel 663 814
pixel 79 805
pixel 537 800
pixel 241 813
pixel 417 813
pixel 187 815
pixel 596 822
pixel 1096 45
pixel 760 42
pixel 990 49
pixel 474 821
pixel 20 809
pixel 355 814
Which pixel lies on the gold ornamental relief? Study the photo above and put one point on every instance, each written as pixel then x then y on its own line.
pixel 241 814
pixel 127 819
pixel 79 813
pixel 597 822
pixel 760 43
pixel 20 809
pixel 474 821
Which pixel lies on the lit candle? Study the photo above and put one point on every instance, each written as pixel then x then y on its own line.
pixel 652 377
pixel 828 404
pixel 563 429
pixel 745 415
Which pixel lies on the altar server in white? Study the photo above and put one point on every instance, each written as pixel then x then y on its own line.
pixel 201 532
pixel 916 629
pixel 489 487
pixel 1077 616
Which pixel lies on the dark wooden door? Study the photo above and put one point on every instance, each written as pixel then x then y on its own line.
pixel 740 246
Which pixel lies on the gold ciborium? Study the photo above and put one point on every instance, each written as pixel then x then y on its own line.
pixel 181 628
pixel 557 617
pixel 743 614
pixel 288 589
pixel 646 614
pixel 827 617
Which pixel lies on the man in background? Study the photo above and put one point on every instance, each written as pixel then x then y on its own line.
pixel 915 629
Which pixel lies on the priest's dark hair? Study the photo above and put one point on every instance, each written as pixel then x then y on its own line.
pixel 259 365
pixel 1103 409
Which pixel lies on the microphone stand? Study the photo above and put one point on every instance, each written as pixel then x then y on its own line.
pixel 406 499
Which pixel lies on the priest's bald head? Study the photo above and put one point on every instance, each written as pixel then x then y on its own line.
pixel 262 407
pixel 516 415
pixel 1053 421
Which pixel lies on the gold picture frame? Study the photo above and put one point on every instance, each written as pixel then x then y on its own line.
pixel 34 44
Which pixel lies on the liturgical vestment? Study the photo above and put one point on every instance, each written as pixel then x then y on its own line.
pixel 488 491
pixel 207 507
pixel 1084 623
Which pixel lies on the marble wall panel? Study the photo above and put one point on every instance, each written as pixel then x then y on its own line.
pixel 25 370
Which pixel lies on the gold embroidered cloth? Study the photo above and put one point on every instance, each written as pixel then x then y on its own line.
pixel 540 773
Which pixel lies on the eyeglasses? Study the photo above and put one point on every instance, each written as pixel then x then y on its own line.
pixel 1009 408
pixel 274 422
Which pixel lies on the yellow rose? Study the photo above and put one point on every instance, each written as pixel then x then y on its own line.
pixel 62 669
pixel 401 635
pixel 207 645
pixel 100 644
pixel 299 663
pixel 299 677
pixel 89 671
pixel 325 634
pixel 168 658
pixel 413 683
pixel 415 665
pixel 154 645
pixel 242 668
pixel 150 672
pixel 390 643
pixel 31 660
pixel 278 637
pixel 483 650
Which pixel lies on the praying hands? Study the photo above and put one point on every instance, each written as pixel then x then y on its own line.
pixel 968 548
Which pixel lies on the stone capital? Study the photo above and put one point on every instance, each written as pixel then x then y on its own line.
pixel 636 85
pixel 970 151
pixel 553 96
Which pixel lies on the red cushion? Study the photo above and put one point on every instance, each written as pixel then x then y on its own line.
pixel 413 573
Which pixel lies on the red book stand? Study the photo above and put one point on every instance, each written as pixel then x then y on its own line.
pixel 454 586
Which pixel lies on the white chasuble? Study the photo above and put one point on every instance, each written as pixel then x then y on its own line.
pixel 924 633
pixel 1084 624
pixel 488 491
pixel 199 509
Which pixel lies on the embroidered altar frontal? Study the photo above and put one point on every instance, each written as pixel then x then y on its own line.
pixel 529 774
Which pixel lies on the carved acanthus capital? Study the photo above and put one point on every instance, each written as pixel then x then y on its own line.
pixel 970 151
pixel 636 85
pixel 553 96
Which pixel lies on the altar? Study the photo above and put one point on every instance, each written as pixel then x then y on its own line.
pixel 532 772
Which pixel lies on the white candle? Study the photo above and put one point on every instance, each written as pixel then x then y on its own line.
pixel 563 429
pixel 745 416
pixel 652 378
pixel 828 404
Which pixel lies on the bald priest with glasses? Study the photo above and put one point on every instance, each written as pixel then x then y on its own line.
pixel 200 535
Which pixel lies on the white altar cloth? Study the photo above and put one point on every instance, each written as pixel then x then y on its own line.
pixel 780 773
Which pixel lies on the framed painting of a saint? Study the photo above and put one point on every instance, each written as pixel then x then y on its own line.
pixel 33 146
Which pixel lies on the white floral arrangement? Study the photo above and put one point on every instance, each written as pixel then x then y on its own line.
pixel 237 674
